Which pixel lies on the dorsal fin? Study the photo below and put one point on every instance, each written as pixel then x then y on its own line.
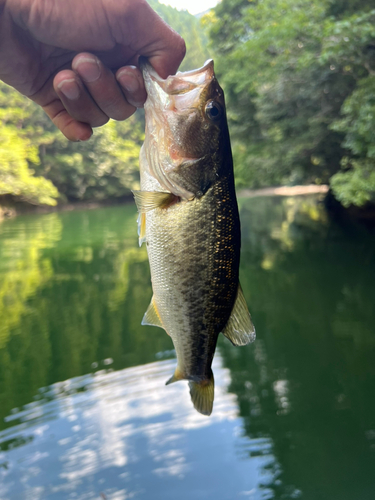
pixel 240 329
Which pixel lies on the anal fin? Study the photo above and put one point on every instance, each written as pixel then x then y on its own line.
pixel 240 329
pixel 152 316
pixel 178 375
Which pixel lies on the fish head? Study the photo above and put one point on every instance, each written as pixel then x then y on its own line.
pixel 187 141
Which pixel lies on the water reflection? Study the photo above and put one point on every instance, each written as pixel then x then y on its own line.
pixel 126 435
pixel 22 269
pixel 294 414
pixel 308 384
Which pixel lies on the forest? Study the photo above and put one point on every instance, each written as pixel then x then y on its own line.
pixel 299 79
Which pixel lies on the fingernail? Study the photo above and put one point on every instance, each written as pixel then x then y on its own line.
pixel 69 88
pixel 84 136
pixel 136 104
pixel 88 68
pixel 128 81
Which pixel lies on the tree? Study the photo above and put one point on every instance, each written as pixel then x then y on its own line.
pixel 189 28
pixel 350 47
pixel 18 151
pixel 105 167
pixel 282 64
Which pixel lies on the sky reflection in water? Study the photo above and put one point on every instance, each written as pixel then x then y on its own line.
pixel 126 435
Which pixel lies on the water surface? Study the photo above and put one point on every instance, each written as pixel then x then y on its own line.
pixel 85 414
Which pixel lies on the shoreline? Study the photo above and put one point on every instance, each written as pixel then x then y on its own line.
pixel 13 208
pixel 10 208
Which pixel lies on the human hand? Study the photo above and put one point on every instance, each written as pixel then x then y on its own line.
pixel 78 58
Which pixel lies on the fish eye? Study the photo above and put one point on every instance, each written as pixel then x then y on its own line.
pixel 213 110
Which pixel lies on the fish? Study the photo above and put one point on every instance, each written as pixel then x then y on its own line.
pixel 189 220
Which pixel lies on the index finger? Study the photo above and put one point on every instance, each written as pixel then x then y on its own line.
pixel 143 30
pixel 167 52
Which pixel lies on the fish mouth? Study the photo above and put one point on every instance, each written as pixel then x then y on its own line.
pixel 181 82
pixel 161 91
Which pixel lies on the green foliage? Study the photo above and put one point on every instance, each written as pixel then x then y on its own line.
pixel 359 120
pixel 18 151
pixel 351 47
pixel 189 28
pixel 356 184
pixel 288 67
pixel 104 167
pixel 38 165
pixel 15 176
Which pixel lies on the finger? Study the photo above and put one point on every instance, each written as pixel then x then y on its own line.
pixel 76 99
pixel 139 27
pixel 71 128
pixel 167 54
pixel 132 84
pixel 104 89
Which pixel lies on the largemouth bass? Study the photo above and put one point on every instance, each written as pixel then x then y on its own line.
pixel 188 217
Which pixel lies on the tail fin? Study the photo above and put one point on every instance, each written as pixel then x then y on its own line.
pixel 202 395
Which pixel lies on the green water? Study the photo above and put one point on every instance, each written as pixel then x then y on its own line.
pixel 85 414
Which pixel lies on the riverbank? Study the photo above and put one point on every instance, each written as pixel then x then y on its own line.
pixel 11 208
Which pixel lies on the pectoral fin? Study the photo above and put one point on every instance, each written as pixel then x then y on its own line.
pixel 149 200
pixel 152 316
pixel 240 329
pixel 202 395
